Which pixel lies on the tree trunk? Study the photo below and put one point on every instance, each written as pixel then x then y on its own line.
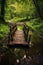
pixel 37 8
pixel 3 2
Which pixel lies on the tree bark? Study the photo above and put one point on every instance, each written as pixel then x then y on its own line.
pixel 37 8
pixel 3 2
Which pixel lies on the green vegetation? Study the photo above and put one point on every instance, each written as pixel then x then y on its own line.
pixel 20 27
pixel 25 11
pixel 20 10
pixel 4 29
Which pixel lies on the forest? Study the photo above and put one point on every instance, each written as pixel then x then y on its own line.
pixel 21 13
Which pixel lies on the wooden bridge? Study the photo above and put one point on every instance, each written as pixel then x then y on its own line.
pixel 19 37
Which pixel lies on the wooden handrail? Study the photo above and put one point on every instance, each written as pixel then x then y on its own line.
pixel 12 32
pixel 26 30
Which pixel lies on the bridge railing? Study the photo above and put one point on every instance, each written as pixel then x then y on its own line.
pixel 13 29
pixel 26 33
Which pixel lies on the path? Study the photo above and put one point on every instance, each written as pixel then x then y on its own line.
pixel 18 38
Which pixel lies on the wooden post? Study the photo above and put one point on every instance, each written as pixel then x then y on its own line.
pixel 12 32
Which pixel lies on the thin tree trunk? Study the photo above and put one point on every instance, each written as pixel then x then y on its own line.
pixel 37 8
pixel 3 2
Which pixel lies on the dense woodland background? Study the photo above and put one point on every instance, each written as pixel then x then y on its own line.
pixel 29 11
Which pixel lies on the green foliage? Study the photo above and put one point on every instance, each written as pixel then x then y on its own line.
pixel 4 29
pixel 19 9
pixel 36 24
pixel 36 27
pixel 17 19
pixel 15 11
